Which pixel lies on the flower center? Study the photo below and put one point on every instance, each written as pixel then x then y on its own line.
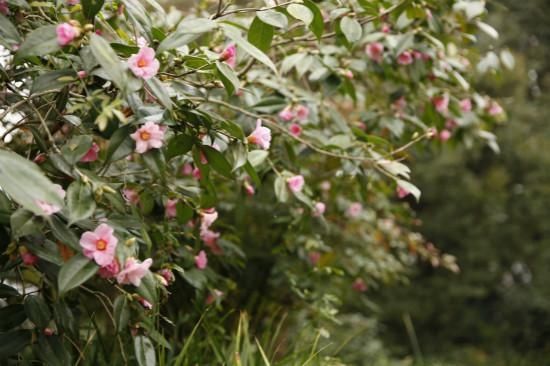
pixel 101 244
pixel 145 135
pixel 141 63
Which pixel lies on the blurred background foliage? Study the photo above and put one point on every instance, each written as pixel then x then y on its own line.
pixel 491 211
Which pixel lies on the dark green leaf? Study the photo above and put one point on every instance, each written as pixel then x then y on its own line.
pixel 145 351
pixel 317 26
pixel 108 60
pixel 91 7
pixel 228 77
pixel 37 310
pixel 179 145
pixel 260 34
pixel 159 90
pixel 75 272
pixel 217 161
pixel 8 32
pixel 7 291
pixel 47 251
pixel 121 312
pixel 11 316
pixel 13 342
pixel 65 235
pixel 39 42
pixel 80 201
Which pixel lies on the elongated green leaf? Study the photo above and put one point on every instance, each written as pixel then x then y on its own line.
pixel 7 291
pixel 281 189
pixel 228 77
pixel 75 272
pixel 148 288
pixel 188 31
pixel 120 144
pixel 23 223
pixel 217 161
pixel 13 342
pixel 178 145
pixel 300 12
pixel 351 28
pixel 80 201
pixel 260 34
pixel 25 183
pixel 37 310
pixel 159 90
pixel 109 61
pixel 8 32
pixel 53 80
pixel 91 7
pixel 62 233
pixel 76 148
pixel 39 42
pixel 11 316
pixel 121 312
pixel 145 351
pixel 47 251
pixel 317 26
pixel 247 47
pixel 273 17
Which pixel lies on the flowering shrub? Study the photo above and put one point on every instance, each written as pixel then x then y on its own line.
pixel 155 165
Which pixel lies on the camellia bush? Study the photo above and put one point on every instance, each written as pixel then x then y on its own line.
pixel 162 171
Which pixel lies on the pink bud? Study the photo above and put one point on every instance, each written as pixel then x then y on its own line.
pixel 29 259
pixel 466 105
pixel 201 260
pixel 295 129
pixel 359 285
pixel 405 58
pixel 82 74
pixel 444 135
pixel 314 257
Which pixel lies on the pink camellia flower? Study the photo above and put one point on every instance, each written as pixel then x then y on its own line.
pixel 325 185
pixel 149 136
pixel 66 33
pixel 354 210
pixel 249 188
pixel 91 155
pixel 359 285
pixel 133 271
pixel 197 174
pixel 287 114
pixel 73 2
pixel 319 209
pixel 187 169
pixel 302 112
pixel 444 135
pixel 48 208
pixel 405 58
pixel 295 183
pixel 451 124
pixel 208 216
pixel 131 196
pixel 495 109
pixel 314 257
pixel 441 103
pixel 375 51
pixel 201 260
pixel 29 259
pixel 142 42
pixel 170 208
pixel 386 28
pixel 144 64
pixel 466 105
pixel 4 9
pixel 261 136
pixel 110 270
pixel 48 332
pixel 229 55
pixel 146 304
pixel 210 239
pixel 99 245
pixel 82 74
pixel 295 129
pixel 402 192
pixel 168 275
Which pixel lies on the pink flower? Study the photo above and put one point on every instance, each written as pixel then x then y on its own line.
pixel 131 196
pixel 441 103
pixel 402 192
pixel 4 9
pixel 359 285
pixel 314 257
pixel 110 270
pixel 302 112
pixel 66 33
pixel 170 208
pixel 348 74
pixel 201 260
pixel 167 274
pixel 208 216
pixel 48 208
pixel 450 124
pixel 249 188
pixel 385 28
pixel 210 239
pixel 325 185
pixel 100 245
pixel 495 109
pixel 133 271
pixel 142 42
pixel 229 55
pixel 261 136
pixel 144 64
pixel 73 2
pixel 319 209
pixel 146 304
pixel 197 173
pixel 295 183
pixel 187 169
pixel 354 210
pixel 444 135
pixel 405 58
pixel 375 51
pixel 149 136
pixel 466 105
pixel 81 74
pixel 91 155
pixel 29 259
pixel 287 114
pixel 295 129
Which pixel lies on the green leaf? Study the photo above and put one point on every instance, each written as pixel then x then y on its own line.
pixel 62 233
pixel 145 351
pixel 76 148
pixel 13 342
pixel 217 161
pixel 75 272
pixel 273 17
pixel 148 288
pixel 300 12
pixel 51 351
pixel 247 47
pixel 154 160
pixel 7 291
pixel 47 251
pixel 8 32
pixel 188 31
pixel 257 157
pixel 22 223
pixel 11 316
pixel 109 61
pixel 228 77
pixel 121 313
pixel 159 90
pixel 80 201
pixel 233 129
pixel 39 42
pixel 120 144
pixel 184 213
pixel 52 80
pixel 260 34
pixel 281 189
pixel 351 28
pixel 91 7
pixel 178 145
pixel 317 26
pixel 409 187
pixel 238 153
pixel 25 183
pixel 37 310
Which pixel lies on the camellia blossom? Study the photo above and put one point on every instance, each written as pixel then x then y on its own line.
pixel 354 210
pixel 48 208
pixel 110 270
pixel 229 55
pixel 133 271
pixel 149 136
pixel 375 51
pixel 66 33
pixel 81 74
pixel 359 285
pixel 405 58
pixel 441 103
pixel 444 135
pixel 170 208
pixel 208 216
pixel 319 209
pixel 295 129
pixel 131 196
pixel 261 136
pixel 29 259
pixel 168 275
pixel 402 192
pixel 4 9
pixel 91 155
pixel 287 114
pixel 495 109
pixel 210 239
pixel 465 105
pixel 201 260
pixel 144 64
pixel 99 245
pixel 295 183
pixel 302 112
pixel 249 188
